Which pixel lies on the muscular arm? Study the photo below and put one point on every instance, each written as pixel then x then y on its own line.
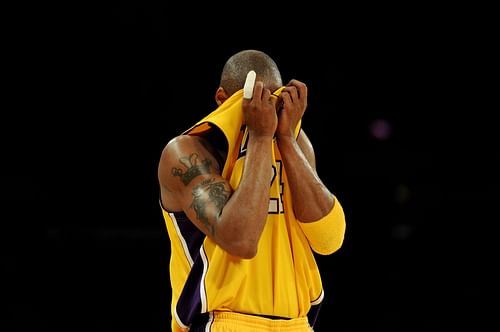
pixel 321 215
pixel 191 181
pixel 311 199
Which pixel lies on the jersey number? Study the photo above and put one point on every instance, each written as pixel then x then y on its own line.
pixel 275 203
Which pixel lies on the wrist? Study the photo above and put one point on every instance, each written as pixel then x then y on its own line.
pixel 260 139
pixel 285 139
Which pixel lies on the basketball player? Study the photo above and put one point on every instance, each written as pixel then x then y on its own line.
pixel 245 209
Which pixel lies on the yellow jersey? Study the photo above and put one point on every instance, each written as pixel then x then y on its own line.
pixel 282 279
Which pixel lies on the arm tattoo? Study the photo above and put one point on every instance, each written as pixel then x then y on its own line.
pixel 193 169
pixel 205 194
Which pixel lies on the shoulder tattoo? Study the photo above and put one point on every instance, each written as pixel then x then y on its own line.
pixel 193 168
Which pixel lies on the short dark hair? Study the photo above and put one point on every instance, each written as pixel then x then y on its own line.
pixel 238 65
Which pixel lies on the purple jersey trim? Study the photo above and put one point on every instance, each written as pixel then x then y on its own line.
pixel 189 303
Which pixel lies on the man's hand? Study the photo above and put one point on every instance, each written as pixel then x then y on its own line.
pixel 259 112
pixel 294 97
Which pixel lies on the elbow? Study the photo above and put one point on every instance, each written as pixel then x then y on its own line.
pixel 241 241
pixel 247 254
pixel 243 249
pixel 331 247
pixel 240 246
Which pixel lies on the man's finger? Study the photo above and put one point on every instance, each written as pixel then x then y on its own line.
pixel 249 84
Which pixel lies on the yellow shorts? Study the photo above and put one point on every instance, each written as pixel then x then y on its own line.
pixel 225 321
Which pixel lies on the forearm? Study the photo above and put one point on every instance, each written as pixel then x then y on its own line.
pixel 245 213
pixel 311 198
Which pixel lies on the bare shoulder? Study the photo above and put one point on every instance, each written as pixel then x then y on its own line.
pixel 189 152
pixel 185 159
pixel 176 145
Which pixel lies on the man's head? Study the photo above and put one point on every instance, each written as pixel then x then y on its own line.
pixel 237 67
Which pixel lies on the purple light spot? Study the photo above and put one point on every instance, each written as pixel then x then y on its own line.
pixel 380 129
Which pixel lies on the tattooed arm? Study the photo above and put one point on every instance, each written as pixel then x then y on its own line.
pixel 191 181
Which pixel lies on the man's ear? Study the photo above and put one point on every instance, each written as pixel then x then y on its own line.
pixel 220 96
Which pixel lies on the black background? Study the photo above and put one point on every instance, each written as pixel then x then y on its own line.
pixel 97 90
